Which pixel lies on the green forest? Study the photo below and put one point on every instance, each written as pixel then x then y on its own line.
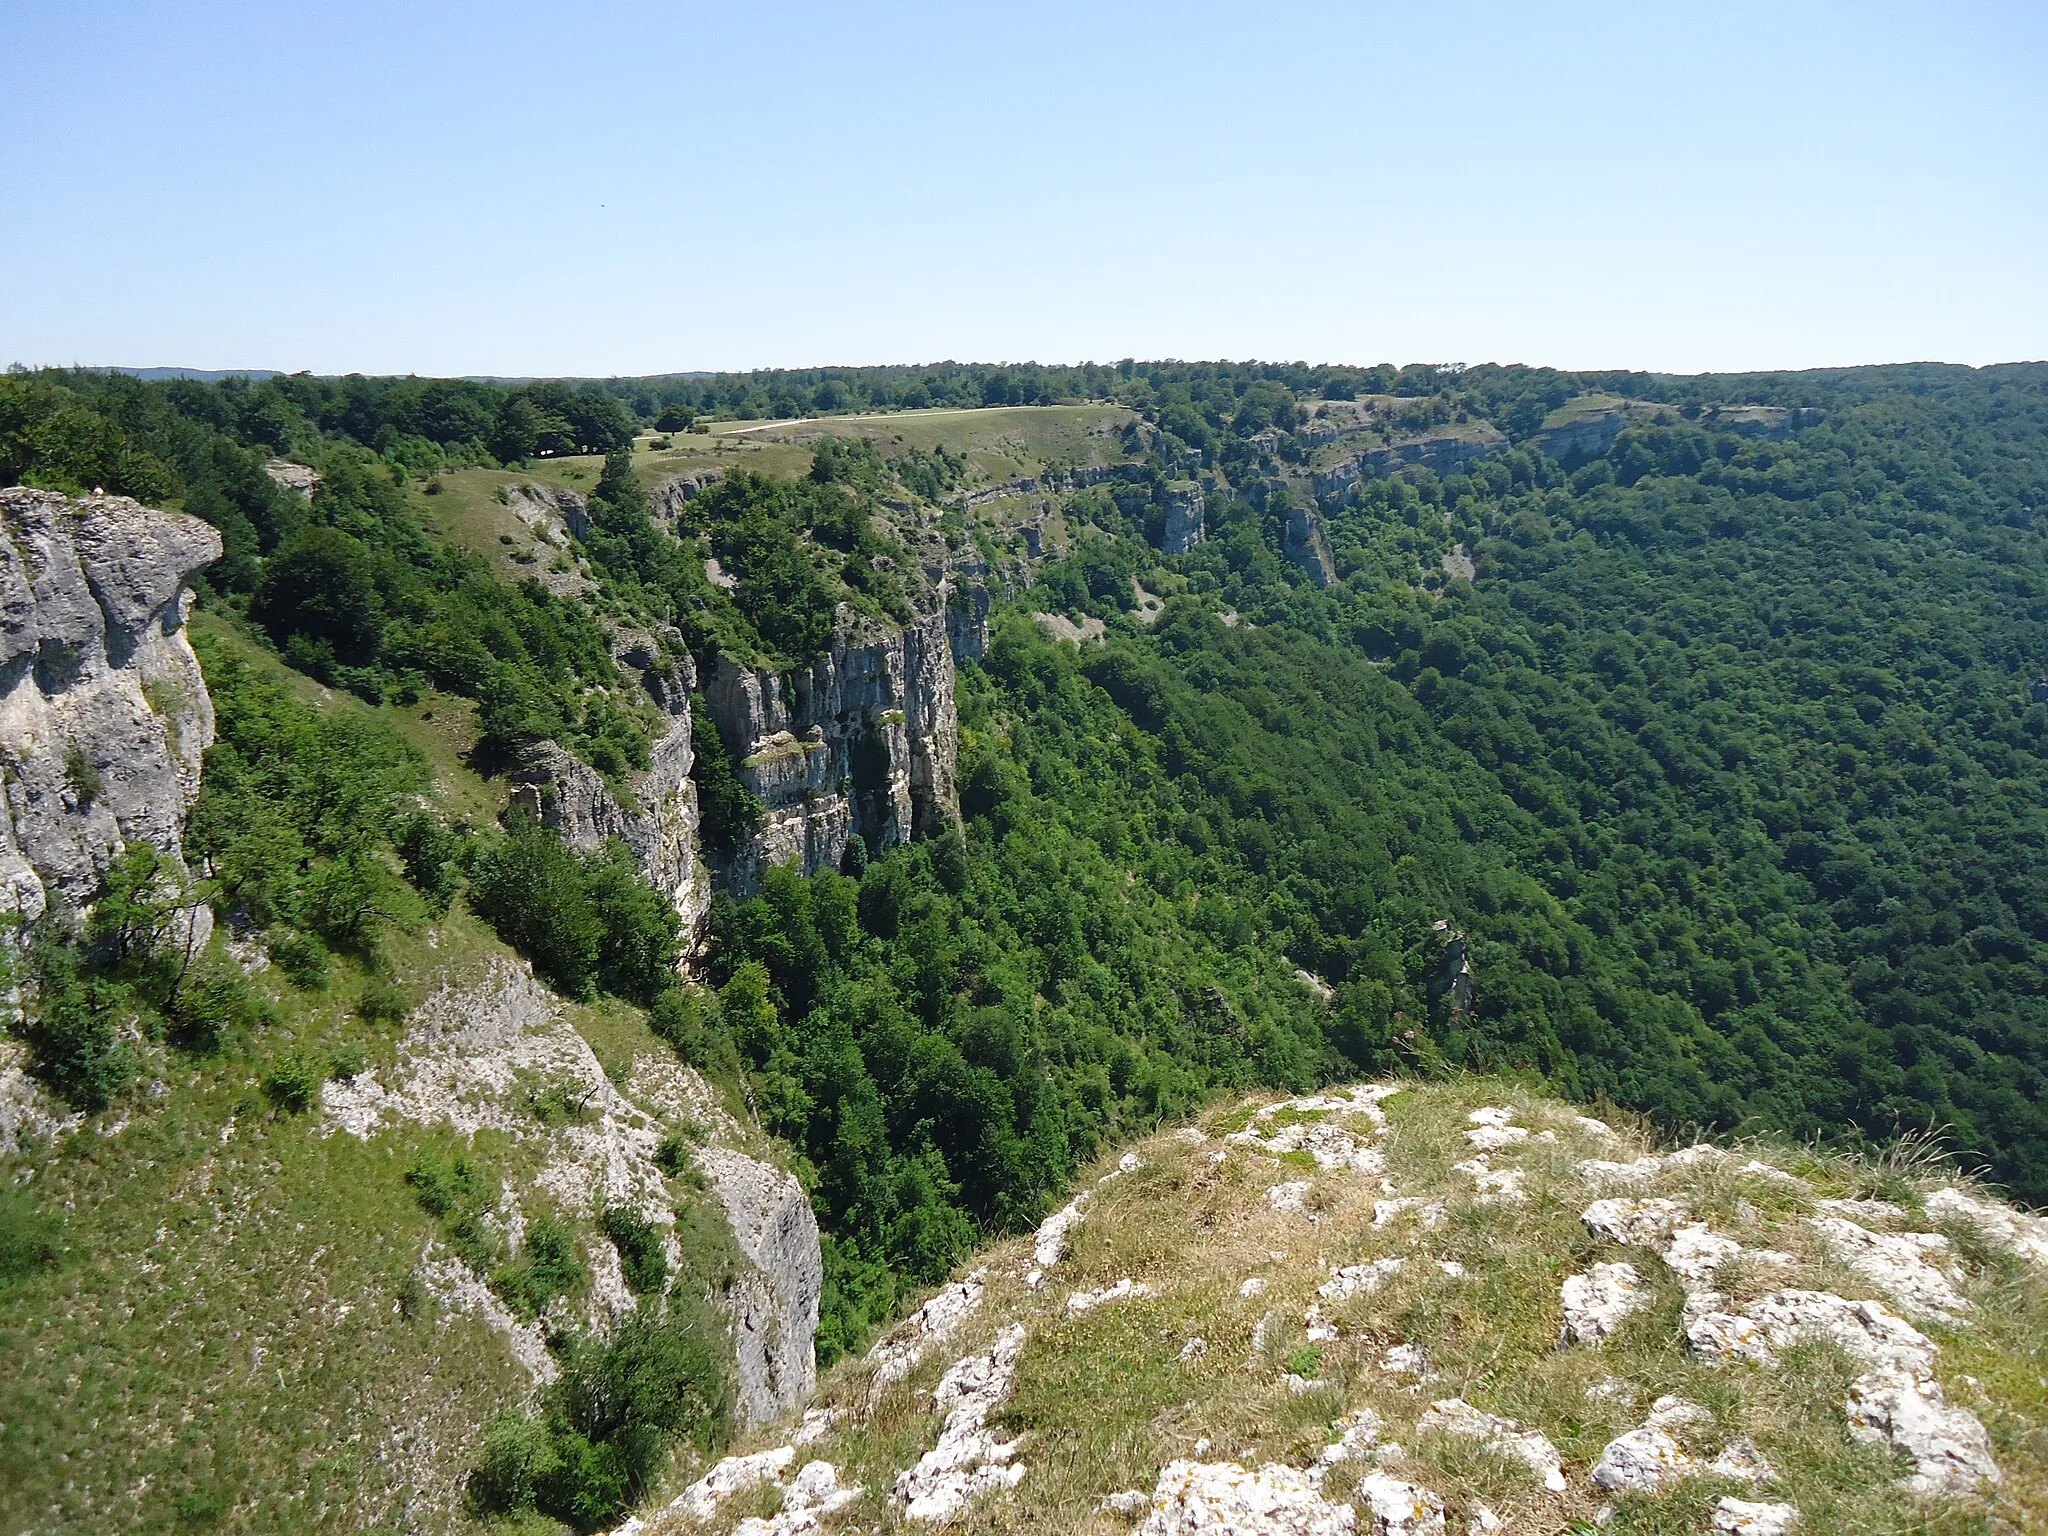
pixel 1730 763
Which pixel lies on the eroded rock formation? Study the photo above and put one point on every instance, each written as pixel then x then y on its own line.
pixel 658 819
pixel 104 715
pixel 864 740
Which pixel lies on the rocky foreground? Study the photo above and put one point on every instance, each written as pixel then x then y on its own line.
pixel 1398 1309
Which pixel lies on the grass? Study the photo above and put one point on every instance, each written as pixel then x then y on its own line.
pixel 1106 1400
pixel 232 1335
pixel 1001 443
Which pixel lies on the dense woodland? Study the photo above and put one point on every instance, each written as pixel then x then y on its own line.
pixel 1732 763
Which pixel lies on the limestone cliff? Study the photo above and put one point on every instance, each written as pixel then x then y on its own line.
pixel 1184 508
pixel 658 818
pixel 1304 542
pixel 863 740
pixel 103 713
pixel 471 1059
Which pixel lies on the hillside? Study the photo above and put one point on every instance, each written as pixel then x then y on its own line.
pixel 1407 1308
pixel 549 913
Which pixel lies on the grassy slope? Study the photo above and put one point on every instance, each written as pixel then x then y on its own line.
pixel 1106 1401
pixel 221 1345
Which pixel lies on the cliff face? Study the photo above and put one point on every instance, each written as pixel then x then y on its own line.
pixel 658 821
pixel 104 716
pixel 863 740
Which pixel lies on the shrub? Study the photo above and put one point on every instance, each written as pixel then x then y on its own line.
pixel 382 1001
pixel 548 1267
pixel 642 1256
pixel 82 776
pixel 518 1456
pixel 215 1007
pixel 290 1085
pixel 75 1047
pixel 346 1062
pixel 431 854
pixel 301 957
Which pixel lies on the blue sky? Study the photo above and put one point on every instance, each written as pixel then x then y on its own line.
pixel 619 188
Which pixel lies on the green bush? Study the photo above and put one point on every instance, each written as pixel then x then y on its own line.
pixel 291 1085
pixel 301 957
pixel 642 1257
pixel 584 920
pixel 382 1001
pixel 604 1427
pixel 548 1266
pixel 215 1008
pixel 71 1027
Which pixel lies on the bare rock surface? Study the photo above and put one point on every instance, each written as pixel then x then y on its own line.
pixel 1742 1517
pixel 970 1459
pixel 1598 1301
pixel 104 715
pixel 2017 1232
pixel 1195 1498
pixel 656 815
pixel 936 1320
pixel 860 741
pixel 1915 1269
pixel 472 1057
pixel 1949 1448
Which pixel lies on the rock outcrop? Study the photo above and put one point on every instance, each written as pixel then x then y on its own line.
pixel 775 1308
pixel 1303 541
pixel 862 741
pixel 473 1057
pixel 1279 1340
pixel 104 715
pixel 667 499
pixel 658 820
pixel 1184 528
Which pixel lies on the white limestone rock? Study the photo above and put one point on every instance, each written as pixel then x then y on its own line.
pixel 1357 1433
pixel 1645 1223
pixel 1398 1508
pixel 2000 1225
pixel 1407 1360
pixel 1428 1213
pixel 1455 1416
pixel 1491 1138
pixel 1359 1279
pixel 1049 1246
pixel 1903 1265
pixel 1741 1461
pixel 814 1495
pixel 1197 1498
pixel 1641 1461
pixel 1597 1302
pixel 896 1356
pixel 1502 1185
pixel 1864 1330
pixel 970 1459
pixel 735 1474
pixel 1126 1289
pixel 1290 1198
pixel 1741 1517
pixel 1950 1450
pixel 96 673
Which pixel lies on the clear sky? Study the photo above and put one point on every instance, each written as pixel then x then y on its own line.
pixel 599 188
